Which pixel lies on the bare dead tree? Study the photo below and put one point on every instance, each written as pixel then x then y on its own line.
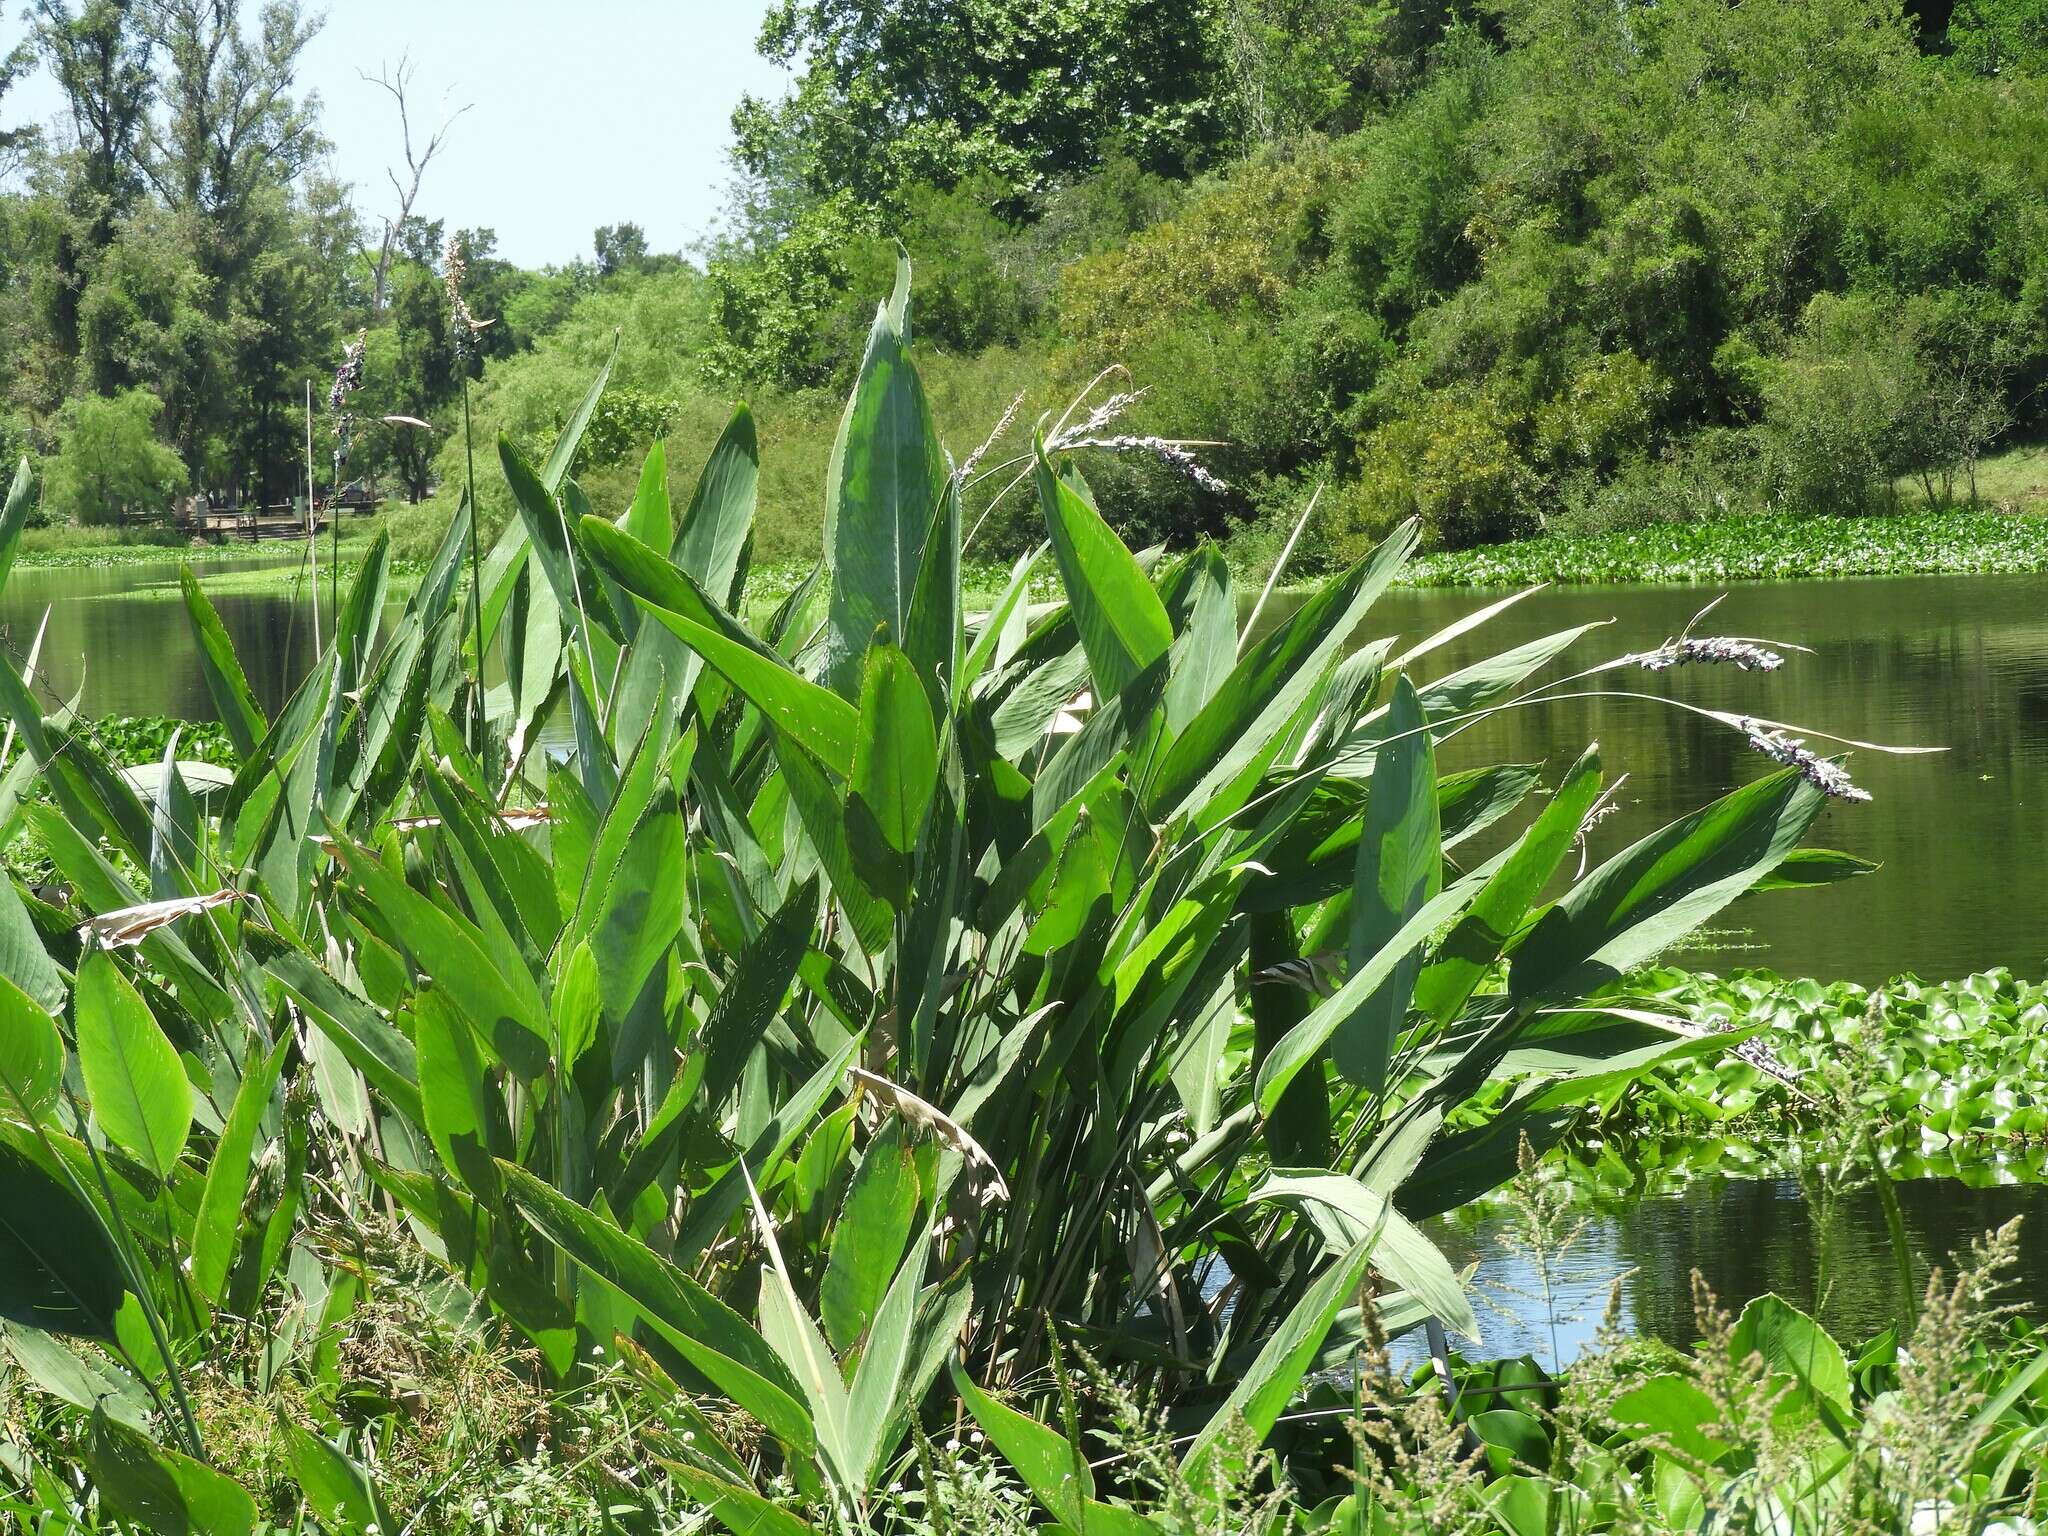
pixel 397 81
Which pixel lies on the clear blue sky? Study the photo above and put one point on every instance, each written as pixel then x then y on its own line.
pixel 586 112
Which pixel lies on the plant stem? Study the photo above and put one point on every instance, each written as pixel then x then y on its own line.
pixel 476 589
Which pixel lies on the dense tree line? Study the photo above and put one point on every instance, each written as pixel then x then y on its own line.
pixel 1503 266
pixel 1510 265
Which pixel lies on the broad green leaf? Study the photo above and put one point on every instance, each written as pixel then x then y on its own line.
pixel 23 960
pixel 641 908
pixel 726 1198
pixel 882 485
pixel 791 1334
pixel 881 1202
pixel 219 1224
pixel 1123 625
pixel 933 639
pixel 1205 644
pixel 1676 1411
pixel 716 1340
pixel 1197 1064
pixel 1513 1439
pixel 175 835
pixel 454 1093
pixel 373 1047
pixel 577 1007
pixel 504 1006
pixel 222 669
pixel 119 810
pixel 355 627
pixel 1399 869
pixel 1005 619
pixel 548 524
pixel 337 1488
pixel 878 1398
pixel 1051 1466
pixel 163 1490
pixel 563 454
pixel 283 853
pixel 1241 723
pixel 31 1057
pixel 1646 897
pixel 437 587
pixel 822 723
pixel 1304 1043
pixel 647 518
pixel 753 995
pixel 86 1380
pixel 1527 1505
pixel 136 1084
pixel 714 531
pixel 1792 1344
pixel 738 1508
pixel 1804 868
pixel 58 1268
pixel 1349 1214
pixel 21 500
pixel 823 822
pixel 1498 911
pixel 896 756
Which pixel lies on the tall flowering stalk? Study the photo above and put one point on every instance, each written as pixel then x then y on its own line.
pixel 346 378
pixel 343 424
pixel 463 327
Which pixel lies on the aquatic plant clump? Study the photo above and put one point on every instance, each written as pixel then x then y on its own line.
pixel 1928 1066
pixel 1766 547
pixel 800 1030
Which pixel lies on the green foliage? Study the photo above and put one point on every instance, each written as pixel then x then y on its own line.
pixel 109 465
pixel 1025 94
pixel 1925 1067
pixel 1999 38
pixel 839 1005
pixel 1450 460
pixel 1756 548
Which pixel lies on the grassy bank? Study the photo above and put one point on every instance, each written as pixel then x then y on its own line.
pixel 65 547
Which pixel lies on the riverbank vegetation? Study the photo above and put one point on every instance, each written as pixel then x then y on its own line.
pixel 1478 283
pixel 1765 547
pixel 894 1070
pixel 1925 1067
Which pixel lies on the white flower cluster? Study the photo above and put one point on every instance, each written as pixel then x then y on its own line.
pixel 1830 778
pixel 1745 654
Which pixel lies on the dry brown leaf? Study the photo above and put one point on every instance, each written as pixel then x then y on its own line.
pixel 925 1116
pixel 131 925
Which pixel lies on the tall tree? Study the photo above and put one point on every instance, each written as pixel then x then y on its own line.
pixel 15 63
pixel 1026 91
pixel 100 57
pixel 230 129
pixel 223 153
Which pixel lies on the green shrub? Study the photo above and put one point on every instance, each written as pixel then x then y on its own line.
pixel 1605 413
pixel 1235 246
pixel 1449 458
pixel 1844 406
pixel 1402 230
pixel 109 464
